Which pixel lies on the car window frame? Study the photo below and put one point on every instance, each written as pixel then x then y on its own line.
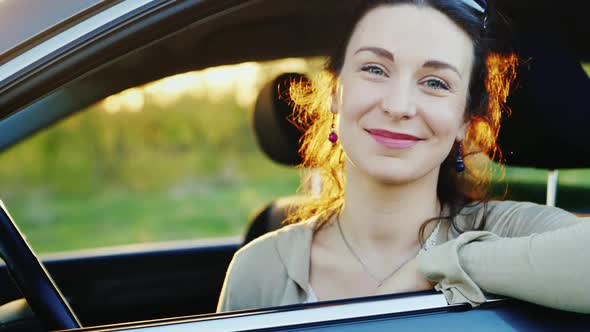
pixel 86 55
pixel 75 34
pixel 307 314
pixel 57 27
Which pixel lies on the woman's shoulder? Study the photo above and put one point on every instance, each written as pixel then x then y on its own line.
pixel 260 271
pixel 513 218
pixel 263 265
pixel 270 245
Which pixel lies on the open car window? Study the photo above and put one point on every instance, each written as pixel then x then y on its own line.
pixel 175 159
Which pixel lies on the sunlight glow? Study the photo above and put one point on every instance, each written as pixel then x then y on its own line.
pixel 133 99
pixel 112 104
pixel 241 82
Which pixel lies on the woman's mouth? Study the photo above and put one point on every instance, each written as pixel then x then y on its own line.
pixel 393 140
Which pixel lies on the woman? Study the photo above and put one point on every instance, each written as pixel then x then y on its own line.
pixel 399 210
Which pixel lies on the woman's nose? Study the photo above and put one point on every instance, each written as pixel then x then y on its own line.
pixel 398 101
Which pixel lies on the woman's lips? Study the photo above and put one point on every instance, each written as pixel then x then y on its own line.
pixel 393 140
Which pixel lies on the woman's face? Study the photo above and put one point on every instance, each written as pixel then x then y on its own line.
pixel 402 93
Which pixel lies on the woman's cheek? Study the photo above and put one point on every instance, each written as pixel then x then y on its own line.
pixel 357 100
pixel 443 118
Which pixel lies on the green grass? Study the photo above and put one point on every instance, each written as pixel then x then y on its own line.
pixel 68 222
pixel 206 209
pixel 202 209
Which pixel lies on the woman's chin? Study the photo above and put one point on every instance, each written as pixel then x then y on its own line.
pixel 393 175
pixel 388 170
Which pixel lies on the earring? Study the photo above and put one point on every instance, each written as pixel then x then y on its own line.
pixel 459 164
pixel 333 137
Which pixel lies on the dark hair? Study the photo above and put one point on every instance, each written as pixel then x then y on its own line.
pixel 482 109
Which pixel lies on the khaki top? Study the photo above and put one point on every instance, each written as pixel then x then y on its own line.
pixel 527 251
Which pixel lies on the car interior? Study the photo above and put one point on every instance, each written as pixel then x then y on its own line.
pixel 545 130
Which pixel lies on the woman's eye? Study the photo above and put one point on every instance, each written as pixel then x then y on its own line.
pixel 437 84
pixel 373 69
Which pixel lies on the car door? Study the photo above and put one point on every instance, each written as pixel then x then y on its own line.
pixel 415 311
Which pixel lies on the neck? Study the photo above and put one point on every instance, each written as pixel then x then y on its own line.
pixel 382 216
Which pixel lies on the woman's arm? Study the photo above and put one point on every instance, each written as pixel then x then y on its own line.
pixel 546 267
pixel 551 269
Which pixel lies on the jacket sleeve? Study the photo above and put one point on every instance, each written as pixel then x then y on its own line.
pixel 533 253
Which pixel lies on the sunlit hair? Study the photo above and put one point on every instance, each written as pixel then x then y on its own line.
pixel 488 90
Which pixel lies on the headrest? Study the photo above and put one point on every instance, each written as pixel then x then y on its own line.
pixel 550 109
pixel 275 135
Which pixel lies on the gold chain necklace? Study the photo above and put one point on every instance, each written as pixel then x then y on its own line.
pixel 379 281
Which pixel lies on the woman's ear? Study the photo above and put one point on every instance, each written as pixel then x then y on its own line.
pixel 336 104
pixel 462 133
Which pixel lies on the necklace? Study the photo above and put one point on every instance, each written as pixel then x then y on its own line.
pixel 379 281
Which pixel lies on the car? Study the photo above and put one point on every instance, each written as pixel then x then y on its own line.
pixel 90 52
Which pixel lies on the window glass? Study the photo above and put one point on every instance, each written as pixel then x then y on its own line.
pixel 21 20
pixel 174 159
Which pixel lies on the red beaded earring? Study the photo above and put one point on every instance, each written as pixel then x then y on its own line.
pixel 333 137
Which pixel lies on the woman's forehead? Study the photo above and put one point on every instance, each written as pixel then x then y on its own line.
pixel 413 34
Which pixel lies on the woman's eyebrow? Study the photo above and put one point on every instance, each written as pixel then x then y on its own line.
pixel 440 65
pixel 381 52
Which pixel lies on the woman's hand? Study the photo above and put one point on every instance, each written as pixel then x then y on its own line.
pixel 407 279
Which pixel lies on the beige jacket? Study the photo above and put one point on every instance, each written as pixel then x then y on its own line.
pixel 530 252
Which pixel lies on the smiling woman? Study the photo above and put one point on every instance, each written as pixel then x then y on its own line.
pixel 402 126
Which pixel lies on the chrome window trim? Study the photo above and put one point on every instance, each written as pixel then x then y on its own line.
pixel 62 39
pixel 274 319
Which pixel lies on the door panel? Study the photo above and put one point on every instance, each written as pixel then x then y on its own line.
pixel 108 286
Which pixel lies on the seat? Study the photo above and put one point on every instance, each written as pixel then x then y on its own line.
pixel 279 140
